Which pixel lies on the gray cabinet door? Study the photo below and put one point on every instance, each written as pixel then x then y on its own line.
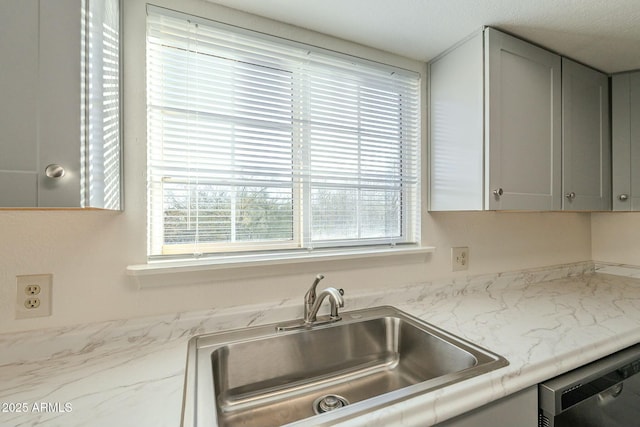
pixel 522 125
pixel 40 110
pixel 625 115
pixel 18 103
pixel 59 104
pixel 586 145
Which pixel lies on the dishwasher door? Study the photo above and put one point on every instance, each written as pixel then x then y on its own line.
pixel 601 394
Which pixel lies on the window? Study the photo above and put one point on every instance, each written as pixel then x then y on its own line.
pixel 257 143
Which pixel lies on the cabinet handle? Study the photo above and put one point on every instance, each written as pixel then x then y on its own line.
pixel 498 192
pixel 570 196
pixel 623 197
pixel 54 171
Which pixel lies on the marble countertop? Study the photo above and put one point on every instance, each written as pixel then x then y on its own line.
pixel 130 372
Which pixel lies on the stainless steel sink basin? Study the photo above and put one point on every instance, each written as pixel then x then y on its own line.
pixel 372 358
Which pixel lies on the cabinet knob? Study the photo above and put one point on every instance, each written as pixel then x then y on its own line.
pixel 54 171
pixel 498 192
pixel 623 197
pixel 570 196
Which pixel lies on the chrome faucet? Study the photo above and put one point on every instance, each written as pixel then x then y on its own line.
pixel 312 304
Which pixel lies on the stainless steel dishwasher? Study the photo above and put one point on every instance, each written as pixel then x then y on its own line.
pixel 601 394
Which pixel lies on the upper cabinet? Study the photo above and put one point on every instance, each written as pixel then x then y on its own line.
pixel 625 98
pixel 495 126
pixel 523 125
pixel 496 129
pixel 586 143
pixel 60 104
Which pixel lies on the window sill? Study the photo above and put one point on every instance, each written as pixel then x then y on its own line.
pixel 168 273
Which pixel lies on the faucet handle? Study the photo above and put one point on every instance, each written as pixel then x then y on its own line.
pixel 317 280
pixel 310 297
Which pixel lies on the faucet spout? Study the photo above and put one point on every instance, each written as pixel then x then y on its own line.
pixel 335 299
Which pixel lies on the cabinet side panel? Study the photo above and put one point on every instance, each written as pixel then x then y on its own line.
pixel 456 140
pixel 103 137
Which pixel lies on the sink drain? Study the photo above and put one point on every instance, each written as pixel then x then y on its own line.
pixel 329 403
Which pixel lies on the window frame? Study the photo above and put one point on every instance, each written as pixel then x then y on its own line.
pixel 409 231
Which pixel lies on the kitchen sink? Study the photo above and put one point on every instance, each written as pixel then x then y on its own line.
pixel 372 358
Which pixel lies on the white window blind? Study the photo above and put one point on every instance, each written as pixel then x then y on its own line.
pixel 258 143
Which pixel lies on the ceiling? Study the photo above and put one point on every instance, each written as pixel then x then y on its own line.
pixel 604 34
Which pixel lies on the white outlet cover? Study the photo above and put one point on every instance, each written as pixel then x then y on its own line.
pixel 44 282
pixel 460 258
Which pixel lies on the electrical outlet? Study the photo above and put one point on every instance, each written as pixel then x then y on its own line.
pixel 33 295
pixel 32 289
pixel 31 303
pixel 460 258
